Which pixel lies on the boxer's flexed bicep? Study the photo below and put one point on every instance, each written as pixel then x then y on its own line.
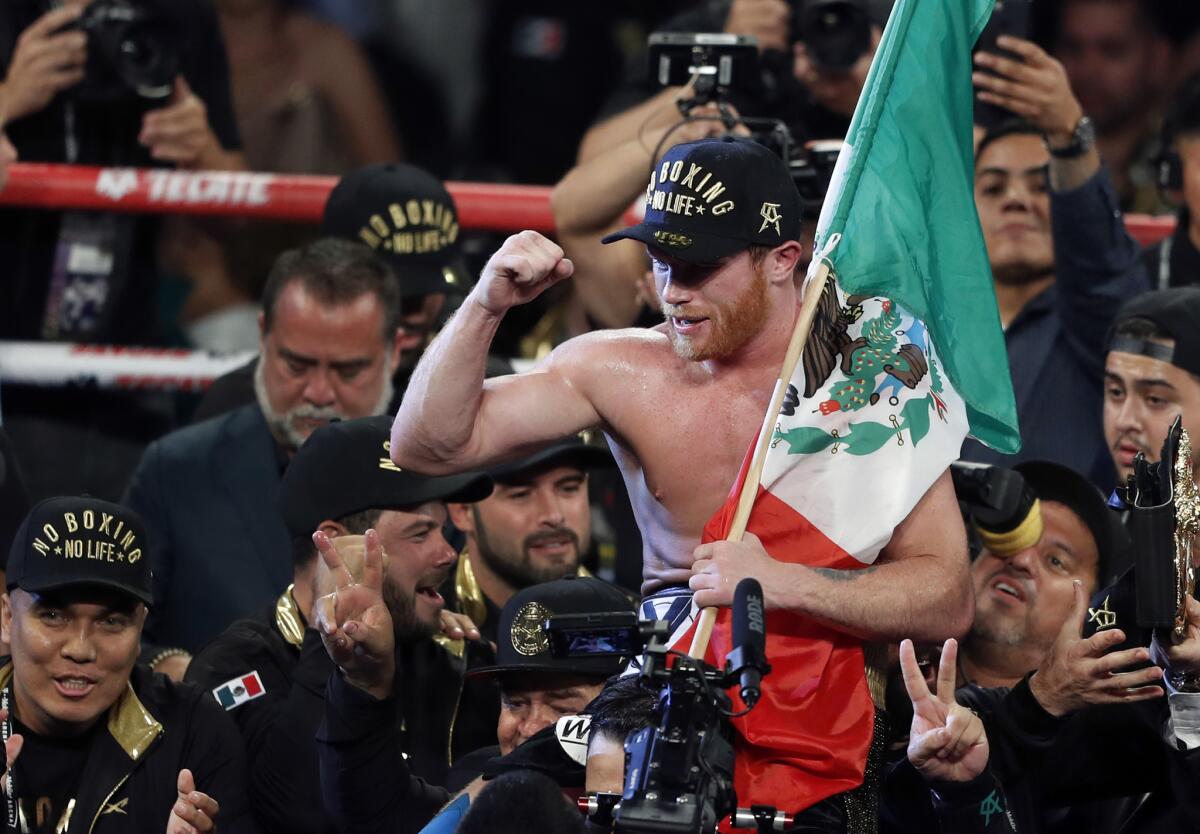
pixel 522 269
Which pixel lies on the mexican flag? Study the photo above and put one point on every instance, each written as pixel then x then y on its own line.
pixel 906 356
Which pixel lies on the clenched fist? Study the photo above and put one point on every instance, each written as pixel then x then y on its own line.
pixel 523 268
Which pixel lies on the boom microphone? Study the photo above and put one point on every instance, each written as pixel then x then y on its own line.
pixel 749 656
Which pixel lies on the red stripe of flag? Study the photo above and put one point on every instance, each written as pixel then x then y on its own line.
pixel 252 685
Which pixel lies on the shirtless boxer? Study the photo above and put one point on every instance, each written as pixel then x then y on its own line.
pixel 680 404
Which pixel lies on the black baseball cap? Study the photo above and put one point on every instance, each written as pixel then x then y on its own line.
pixel 346 467
pixel 524 645
pixel 1176 312
pixel 716 197
pixel 1055 482
pixel 573 449
pixel 407 217
pixel 81 541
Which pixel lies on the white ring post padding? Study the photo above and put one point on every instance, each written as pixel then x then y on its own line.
pixel 113 367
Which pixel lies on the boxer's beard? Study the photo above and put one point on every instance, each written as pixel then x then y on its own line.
pixel 284 425
pixel 732 326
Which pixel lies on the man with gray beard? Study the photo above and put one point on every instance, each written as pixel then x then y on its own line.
pixel 330 342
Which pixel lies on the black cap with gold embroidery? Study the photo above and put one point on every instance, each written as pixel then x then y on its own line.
pixel 408 217
pixel 346 467
pixel 523 644
pixel 80 541
pixel 713 198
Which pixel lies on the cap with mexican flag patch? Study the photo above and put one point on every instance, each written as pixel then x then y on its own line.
pixel 713 198
pixel 235 692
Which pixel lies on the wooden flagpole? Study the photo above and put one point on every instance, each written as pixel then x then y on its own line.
pixel 741 517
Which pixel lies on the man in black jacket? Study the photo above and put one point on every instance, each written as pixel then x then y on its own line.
pixel 366 781
pixel 342 483
pixel 107 747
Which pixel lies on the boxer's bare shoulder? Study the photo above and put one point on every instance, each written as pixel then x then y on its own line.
pixel 678 430
pixel 612 367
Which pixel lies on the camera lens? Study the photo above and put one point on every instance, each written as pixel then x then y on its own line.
pixel 147 59
pixel 133 53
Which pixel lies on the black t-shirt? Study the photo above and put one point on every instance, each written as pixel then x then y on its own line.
pixel 47 774
pixel 106 135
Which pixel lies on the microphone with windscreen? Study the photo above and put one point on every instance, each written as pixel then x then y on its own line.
pixel 749 656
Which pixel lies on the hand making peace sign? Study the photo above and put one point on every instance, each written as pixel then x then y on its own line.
pixel 354 621
pixel 947 742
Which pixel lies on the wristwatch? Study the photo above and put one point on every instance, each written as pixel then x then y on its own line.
pixel 1183 681
pixel 1083 138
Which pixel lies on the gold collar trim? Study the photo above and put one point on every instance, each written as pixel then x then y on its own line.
pixel 129 722
pixel 288 619
pixel 466 588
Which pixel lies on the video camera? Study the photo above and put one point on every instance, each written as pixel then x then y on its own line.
pixel 1002 506
pixel 133 53
pixel 717 62
pixel 721 63
pixel 679 773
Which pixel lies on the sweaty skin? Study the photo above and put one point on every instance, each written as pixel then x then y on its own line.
pixel 679 429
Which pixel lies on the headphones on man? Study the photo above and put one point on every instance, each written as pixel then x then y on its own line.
pixel 1183 114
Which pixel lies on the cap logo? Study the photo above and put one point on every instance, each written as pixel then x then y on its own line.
pixel 439 228
pixel 673 240
pixel 679 201
pixel 386 462
pixel 770 215
pixel 123 546
pixel 526 632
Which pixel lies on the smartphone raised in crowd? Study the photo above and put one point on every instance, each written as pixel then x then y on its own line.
pixel 1009 17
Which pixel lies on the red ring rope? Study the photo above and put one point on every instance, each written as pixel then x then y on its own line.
pixel 484 206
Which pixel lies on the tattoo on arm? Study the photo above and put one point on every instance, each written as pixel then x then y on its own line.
pixel 845 575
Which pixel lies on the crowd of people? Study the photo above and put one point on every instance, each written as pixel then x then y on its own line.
pixel 315 598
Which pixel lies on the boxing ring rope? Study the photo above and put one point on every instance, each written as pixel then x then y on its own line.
pixel 113 367
pixel 299 198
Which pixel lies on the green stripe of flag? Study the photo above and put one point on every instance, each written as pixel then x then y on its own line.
pixel 902 199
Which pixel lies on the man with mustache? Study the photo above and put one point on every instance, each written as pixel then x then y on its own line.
pixel 342 483
pixel 1152 375
pixel 535 527
pixel 330 342
pixel 1021 601
pixel 410 220
pixel 1062 261
pixel 1150 381
pixel 682 403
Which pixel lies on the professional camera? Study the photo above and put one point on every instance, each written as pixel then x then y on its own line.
pixel 836 33
pixel 678 774
pixel 133 53
pixel 718 62
pixel 721 64
pixel 812 169
pixel 1002 506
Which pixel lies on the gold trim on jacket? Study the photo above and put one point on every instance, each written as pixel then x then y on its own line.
pixel 288 618
pixel 129 722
